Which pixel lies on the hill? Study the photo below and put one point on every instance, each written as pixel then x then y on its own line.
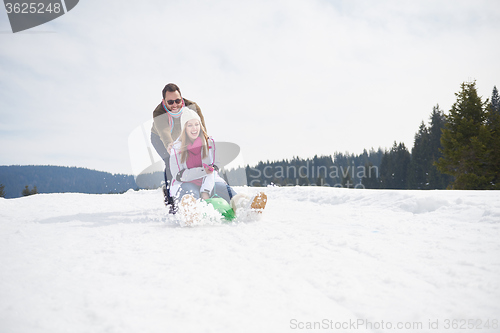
pixel 57 179
pixel 333 256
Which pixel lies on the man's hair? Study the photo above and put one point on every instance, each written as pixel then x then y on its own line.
pixel 171 87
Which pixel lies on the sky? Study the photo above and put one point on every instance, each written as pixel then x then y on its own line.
pixel 280 78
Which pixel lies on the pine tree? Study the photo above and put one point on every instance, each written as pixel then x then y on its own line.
pixel 2 192
pixel 386 172
pixel 394 167
pixel 320 181
pixel 466 141
pixel 420 159
pixel 402 165
pixel 437 179
pixel 347 181
pixel 27 191
pixel 303 180
pixel 493 122
pixel 423 174
pixel 495 100
pixel 371 181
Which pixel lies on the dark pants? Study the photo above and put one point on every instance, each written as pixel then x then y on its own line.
pixel 165 156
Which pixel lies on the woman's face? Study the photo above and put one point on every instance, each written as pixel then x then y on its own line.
pixel 193 129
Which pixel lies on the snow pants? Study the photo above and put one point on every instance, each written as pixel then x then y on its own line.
pixel 220 189
pixel 165 156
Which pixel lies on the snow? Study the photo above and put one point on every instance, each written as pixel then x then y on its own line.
pixel 319 258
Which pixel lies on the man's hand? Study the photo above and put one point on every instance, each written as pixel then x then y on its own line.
pixel 169 147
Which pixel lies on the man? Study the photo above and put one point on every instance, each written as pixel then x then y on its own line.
pixel 167 128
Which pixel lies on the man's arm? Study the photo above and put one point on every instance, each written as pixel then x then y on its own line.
pixel 161 125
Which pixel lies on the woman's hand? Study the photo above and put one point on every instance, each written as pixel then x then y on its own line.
pixel 204 195
pixel 208 168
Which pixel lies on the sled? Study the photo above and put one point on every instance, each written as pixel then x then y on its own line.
pixel 191 211
pixel 223 207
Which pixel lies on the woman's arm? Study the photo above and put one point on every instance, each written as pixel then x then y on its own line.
pixel 187 175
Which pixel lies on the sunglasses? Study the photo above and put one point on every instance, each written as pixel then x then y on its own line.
pixel 172 101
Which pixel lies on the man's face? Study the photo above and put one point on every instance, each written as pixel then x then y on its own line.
pixel 173 97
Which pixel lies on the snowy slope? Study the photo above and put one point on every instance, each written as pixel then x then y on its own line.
pixel 319 257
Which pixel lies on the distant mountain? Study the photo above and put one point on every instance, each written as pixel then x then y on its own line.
pixel 57 179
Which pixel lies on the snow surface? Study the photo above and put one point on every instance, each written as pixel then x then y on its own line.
pixel 117 263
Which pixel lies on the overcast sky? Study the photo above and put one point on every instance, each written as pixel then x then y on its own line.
pixel 279 78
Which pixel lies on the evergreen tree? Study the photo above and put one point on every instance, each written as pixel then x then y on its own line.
pixel 493 122
pixel 402 163
pixel 466 142
pixel 2 192
pixel 303 180
pixel 347 181
pixel 394 167
pixel 437 179
pixel 320 181
pixel 420 159
pixel 423 174
pixel 495 100
pixel 386 172
pixel 27 191
pixel 371 181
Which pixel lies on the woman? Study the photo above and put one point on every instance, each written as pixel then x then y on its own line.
pixel 192 162
pixel 194 170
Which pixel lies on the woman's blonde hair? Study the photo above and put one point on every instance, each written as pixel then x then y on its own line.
pixel 185 141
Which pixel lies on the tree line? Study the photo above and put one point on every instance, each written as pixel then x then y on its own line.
pixel 458 150
pixel 17 181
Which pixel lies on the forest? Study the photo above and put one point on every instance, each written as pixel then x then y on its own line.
pixel 17 180
pixel 458 150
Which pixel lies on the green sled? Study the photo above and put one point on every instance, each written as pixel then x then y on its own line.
pixel 223 207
